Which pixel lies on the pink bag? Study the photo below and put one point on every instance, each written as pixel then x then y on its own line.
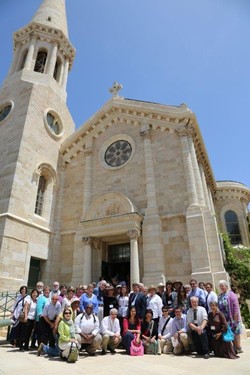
pixel 136 349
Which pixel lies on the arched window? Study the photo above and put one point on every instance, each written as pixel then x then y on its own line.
pixel 40 61
pixel 233 229
pixel 40 196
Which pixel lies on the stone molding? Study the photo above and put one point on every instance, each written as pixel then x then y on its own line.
pixel 133 234
pixel 110 204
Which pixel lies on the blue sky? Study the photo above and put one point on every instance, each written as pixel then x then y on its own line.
pixel 168 51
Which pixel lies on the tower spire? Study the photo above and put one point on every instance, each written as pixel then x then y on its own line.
pixel 52 13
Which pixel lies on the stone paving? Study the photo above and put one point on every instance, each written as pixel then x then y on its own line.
pixel 13 362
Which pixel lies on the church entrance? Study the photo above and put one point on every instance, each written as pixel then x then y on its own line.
pixel 117 269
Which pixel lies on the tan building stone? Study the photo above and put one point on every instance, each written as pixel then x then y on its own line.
pixel 130 192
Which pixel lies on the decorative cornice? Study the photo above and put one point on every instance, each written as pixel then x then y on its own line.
pixel 232 190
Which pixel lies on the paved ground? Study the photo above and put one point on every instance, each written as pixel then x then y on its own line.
pixel 12 362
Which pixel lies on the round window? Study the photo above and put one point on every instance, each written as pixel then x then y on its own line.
pixel 53 123
pixel 4 111
pixel 118 153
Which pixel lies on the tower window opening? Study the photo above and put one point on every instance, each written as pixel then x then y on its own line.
pixel 57 70
pixel 40 61
pixel 40 196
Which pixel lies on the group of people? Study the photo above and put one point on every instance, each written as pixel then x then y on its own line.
pixel 171 318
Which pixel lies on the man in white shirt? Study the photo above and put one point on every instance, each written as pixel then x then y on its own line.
pixel 210 297
pixel 111 331
pixel 87 330
pixel 164 332
pixel 197 322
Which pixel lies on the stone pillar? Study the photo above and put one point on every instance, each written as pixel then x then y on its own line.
pixel 52 60
pixel 65 74
pixel 196 171
pixel 87 184
pixel 149 167
pixel 153 248
pixel 134 257
pixel 184 133
pixel 87 242
pixel 204 184
pixel 30 54
pixel 211 201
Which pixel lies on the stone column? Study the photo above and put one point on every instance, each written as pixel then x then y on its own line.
pixel 87 243
pixel 52 60
pixel 153 247
pixel 205 189
pixel 188 167
pixel 134 257
pixel 149 167
pixel 87 184
pixel 196 171
pixel 65 74
pixel 30 54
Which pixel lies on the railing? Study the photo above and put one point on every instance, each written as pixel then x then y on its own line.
pixel 7 300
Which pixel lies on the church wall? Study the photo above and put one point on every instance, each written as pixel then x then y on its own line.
pixel 21 241
pixel 73 193
pixel 129 179
pixel 170 184
pixel 176 246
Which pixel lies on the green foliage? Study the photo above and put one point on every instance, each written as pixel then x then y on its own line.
pixel 238 267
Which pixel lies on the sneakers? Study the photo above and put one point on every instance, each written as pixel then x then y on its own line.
pixel 40 349
pixel 206 356
pixel 238 350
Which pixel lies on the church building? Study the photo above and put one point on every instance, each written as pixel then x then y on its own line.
pixel 131 193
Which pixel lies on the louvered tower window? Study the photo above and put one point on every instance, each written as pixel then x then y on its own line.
pixel 40 196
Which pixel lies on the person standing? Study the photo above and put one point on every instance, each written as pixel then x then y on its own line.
pixel 48 318
pixel 229 306
pixel 210 297
pixel 138 300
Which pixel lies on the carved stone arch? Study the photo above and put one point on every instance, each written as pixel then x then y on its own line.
pixel 46 170
pixel 110 204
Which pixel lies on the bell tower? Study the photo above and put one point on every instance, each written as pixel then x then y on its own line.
pixel 34 121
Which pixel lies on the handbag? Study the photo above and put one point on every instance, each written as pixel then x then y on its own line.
pixel 21 316
pixel 228 335
pixel 136 349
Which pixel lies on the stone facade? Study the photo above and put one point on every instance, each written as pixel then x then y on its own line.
pixel 135 175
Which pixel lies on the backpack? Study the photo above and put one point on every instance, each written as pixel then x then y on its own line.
pixel 73 353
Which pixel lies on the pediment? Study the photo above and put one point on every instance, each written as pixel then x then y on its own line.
pixel 130 112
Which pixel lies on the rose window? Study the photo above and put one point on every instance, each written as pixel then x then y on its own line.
pixel 118 153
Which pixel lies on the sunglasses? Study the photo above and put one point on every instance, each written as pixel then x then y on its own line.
pixel 67 313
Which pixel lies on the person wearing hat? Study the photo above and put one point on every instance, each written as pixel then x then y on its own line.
pixel 160 289
pixel 154 302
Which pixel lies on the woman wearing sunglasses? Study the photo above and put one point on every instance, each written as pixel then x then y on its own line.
pixel 67 337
